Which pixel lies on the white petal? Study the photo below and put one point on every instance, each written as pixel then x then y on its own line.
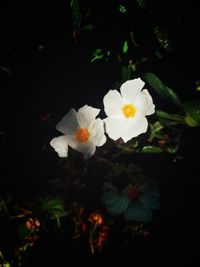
pixel 69 124
pixel 87 148
pixel 130 89
pixel 112 103
pixel 60 145
pixel 134 127
pixel 144 103
pixel 114 127
pixel 86 116
pixel 97 133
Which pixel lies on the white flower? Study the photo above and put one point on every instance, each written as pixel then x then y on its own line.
pixel 82 131
pixel 126 111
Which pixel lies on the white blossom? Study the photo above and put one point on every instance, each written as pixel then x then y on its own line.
pixel 82 131
pixel 126 112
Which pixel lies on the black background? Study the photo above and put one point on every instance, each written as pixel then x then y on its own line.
pixel 60 76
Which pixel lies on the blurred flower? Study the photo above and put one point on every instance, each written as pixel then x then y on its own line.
pixel 135 202
pixel 96 218
pixel 98 233
pixel 33 224
pixel 126 111
pixel 83 132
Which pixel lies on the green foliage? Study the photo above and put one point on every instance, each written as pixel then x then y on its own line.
pixel 161 88
pixel 126 72
pixel 142 3
pixel 97 54
pixel 163 38
pixel 125 47
pixel 169 119
pixel 76 13
pixel 88 27
pixel 55 207
pixel 192 111
pixel 122 9
pixel 3 262
pixel 151 149
pixel 158 54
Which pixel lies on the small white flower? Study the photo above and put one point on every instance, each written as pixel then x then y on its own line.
pixel 82 131
pixel 126 111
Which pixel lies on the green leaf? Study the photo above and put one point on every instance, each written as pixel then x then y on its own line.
pixel 125 47
pixel 97 54
pixel 53 206
pixel 192 111
pixel 76 14
pixel 173 148
pixel 155 83
pixel 170 117
pixel 151 149
pixel 122 9
pixel 161 88
pixel 171 94
pixel 157 126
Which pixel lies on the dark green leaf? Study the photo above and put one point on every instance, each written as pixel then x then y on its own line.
pixel 161 88
pixel 53 206
pixel 173 149
pixel 126 73
pixel 173 96
pixel 76 14
pixel 170 117
pixel 155 83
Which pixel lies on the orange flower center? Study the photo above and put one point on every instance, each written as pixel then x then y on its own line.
pixel 82 135
pixel 129 110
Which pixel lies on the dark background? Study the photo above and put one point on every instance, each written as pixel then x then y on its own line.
pixel 59 76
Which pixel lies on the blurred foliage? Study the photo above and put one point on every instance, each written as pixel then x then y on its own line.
pixel 125 47
pixel 163 38
pixel 76 17
pixel 122 9
pixel 54 207
pixel 192 111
